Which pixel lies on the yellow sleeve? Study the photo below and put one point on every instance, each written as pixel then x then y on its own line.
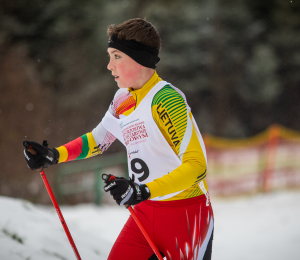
pixel 168 103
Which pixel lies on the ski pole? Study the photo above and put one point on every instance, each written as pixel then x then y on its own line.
pixel 62 220
pixel 140 225
pixel 138 222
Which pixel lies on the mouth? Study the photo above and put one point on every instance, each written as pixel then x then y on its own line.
pixel 116 77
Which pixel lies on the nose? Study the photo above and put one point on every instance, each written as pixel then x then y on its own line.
pixel 110 65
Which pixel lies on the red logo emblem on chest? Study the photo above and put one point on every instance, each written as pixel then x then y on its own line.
pixel 135 133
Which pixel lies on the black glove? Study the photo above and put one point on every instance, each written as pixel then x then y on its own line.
pixel 41 157
pixel 125 192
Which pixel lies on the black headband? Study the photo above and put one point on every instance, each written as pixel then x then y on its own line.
pixel 139 52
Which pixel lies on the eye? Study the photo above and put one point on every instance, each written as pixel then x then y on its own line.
pixel 117 56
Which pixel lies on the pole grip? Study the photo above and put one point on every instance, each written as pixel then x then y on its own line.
pixel 29 148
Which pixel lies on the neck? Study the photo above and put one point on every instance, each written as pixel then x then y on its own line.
pixel 145 75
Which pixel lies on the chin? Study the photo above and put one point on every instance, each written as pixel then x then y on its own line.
pixel 120 85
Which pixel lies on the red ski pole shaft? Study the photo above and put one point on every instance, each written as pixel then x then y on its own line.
pixel 106 178
pixel 140 225
pixel 62 220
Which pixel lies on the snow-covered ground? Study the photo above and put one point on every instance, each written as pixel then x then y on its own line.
pixel 259 227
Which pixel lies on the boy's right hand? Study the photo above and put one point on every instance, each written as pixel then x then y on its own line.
pixel 39 156
pixel 125 192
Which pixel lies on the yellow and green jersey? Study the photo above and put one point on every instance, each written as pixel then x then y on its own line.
pixel 170 111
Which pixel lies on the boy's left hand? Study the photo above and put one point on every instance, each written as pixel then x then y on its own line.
pixel 126 192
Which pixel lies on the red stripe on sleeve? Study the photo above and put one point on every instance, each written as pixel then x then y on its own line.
pixel 74 149
pixel 125 109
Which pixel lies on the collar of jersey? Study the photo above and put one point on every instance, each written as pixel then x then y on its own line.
pixel 139 94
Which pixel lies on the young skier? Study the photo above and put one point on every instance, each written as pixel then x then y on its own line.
pixel 166 153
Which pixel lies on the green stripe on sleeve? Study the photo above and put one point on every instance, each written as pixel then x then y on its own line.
pixel 169 99
pixel 161 94
pixel 85 148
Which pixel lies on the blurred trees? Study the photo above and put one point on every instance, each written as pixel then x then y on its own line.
pixel 233 60
pixel 236 61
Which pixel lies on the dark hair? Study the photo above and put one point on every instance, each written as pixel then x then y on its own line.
pixel 136 29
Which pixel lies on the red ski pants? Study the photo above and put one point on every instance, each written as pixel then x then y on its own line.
pixel 182 230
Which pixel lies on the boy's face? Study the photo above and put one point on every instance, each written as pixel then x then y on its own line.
pixel 126 71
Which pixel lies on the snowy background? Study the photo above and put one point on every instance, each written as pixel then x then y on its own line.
pixel 259 227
